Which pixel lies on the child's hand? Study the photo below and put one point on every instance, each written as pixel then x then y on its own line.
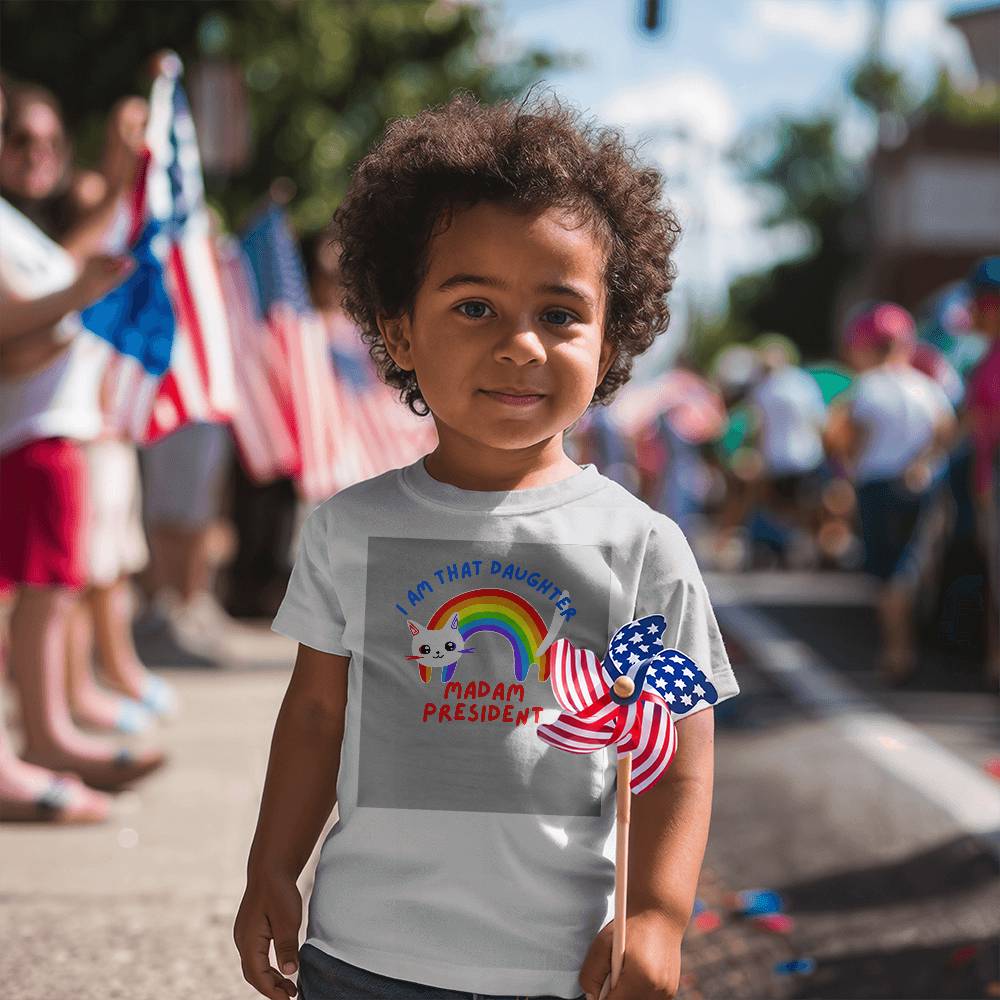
pixel 271 910
pixel 652 967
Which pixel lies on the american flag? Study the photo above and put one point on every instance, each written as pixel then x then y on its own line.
pixel 328 456
pixel 387 433
pixel 348 425
pixel 667 684
pixel 172 359
pixel 263 421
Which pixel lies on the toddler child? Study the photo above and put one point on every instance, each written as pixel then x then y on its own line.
pixel 469 858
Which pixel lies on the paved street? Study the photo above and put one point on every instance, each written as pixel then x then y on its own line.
pixel 889 893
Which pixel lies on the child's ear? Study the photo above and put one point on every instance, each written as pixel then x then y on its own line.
pixel 396 335
pixel 608 354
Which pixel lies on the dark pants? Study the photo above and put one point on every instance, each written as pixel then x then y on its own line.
pixel 890 517
pixel 323 977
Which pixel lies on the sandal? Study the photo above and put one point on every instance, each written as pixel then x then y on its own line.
pixel 65 800
pixel 112 775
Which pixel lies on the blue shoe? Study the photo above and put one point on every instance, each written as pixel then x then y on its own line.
pixel 133 717
pixel 159 697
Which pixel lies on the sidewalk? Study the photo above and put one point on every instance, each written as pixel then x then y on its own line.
pixel 141 908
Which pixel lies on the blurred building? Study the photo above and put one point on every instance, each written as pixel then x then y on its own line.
pixel 935 188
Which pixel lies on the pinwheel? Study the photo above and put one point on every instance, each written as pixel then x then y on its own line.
pixel 628 699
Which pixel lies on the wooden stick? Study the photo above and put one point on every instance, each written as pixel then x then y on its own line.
pixel 623 814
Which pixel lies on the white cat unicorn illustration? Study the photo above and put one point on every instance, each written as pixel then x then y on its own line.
pixel 441 643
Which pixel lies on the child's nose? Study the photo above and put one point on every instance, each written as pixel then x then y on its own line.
pixel 521 344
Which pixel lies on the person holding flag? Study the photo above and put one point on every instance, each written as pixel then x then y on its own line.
pixel 171 374
pixel 50 378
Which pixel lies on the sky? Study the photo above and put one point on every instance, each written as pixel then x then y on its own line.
pixel 687 92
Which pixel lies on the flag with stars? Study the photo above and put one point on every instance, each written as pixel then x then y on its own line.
pixel 171 360
pixel 665 683
pixel 671 674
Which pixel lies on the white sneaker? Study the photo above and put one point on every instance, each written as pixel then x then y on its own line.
pixel 205 609
pixel 190 629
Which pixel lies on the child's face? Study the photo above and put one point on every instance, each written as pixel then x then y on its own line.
pixel 511 301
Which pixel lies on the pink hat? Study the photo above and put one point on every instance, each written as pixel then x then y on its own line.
pixel 880 325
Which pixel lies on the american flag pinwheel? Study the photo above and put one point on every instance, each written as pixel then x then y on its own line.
pixel 629 699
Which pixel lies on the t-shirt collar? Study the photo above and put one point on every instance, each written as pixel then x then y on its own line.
pixel 419 482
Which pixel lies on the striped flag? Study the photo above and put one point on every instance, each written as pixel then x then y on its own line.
pixel 387 434
pixel 666 683
pixel 263 421
pixel 172 359
pixel 327 458
pixel 348 425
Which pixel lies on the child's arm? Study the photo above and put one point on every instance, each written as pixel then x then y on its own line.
pixel 668 832
pixel 300 790
pixel 669 825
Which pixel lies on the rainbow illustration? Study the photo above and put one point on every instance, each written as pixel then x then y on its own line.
pixel 510 615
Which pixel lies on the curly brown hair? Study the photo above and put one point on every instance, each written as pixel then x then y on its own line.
pixel 534 155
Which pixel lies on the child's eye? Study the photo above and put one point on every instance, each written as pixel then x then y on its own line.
pixel 476 306
pixel 567 317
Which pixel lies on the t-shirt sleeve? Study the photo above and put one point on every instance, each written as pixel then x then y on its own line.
pixel 310 610
pixel 671 584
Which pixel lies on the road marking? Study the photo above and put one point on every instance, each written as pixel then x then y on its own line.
pixel 970 798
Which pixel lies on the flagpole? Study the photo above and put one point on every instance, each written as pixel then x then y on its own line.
pixel 624 686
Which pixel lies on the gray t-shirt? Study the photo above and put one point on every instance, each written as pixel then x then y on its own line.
pixel 468 853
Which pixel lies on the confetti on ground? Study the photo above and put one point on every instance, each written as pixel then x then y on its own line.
pixel 699 905
pixel 992 767
pixel 758 902
pixel 707 921
pixel 961 956
pixel 776 922
pixel 801 966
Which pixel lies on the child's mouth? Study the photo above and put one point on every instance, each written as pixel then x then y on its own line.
pixel 513 400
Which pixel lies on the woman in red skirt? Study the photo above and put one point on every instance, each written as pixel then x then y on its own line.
pixel 50 371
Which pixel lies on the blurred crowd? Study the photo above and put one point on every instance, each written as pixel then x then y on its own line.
pixel 885 460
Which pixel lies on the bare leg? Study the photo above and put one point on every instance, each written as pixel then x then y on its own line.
pixel 39 627
pixel 895 606
pixel 90 704
pixel 180 559
pixel 121 667
pixel 112 613
pixel 19 781
pixel 39 633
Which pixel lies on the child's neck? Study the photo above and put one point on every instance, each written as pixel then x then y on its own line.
pixel 471 466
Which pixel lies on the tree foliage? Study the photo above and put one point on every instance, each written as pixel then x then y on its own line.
pixel 818 188
pixel 821 191
pixel 323 77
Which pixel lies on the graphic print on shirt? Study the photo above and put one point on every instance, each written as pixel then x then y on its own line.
pixel 458 648
pixel 484 610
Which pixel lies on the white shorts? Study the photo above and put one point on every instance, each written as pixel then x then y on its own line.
pixel 116 542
